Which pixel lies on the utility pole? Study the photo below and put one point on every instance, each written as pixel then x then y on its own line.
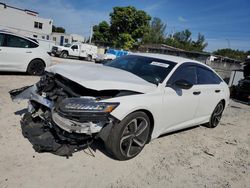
pixel 91 34
pixel 173 32
pixel 228 43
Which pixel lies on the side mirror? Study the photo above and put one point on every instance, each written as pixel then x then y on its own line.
pixel 183 84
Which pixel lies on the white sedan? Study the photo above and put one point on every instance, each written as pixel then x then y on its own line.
pixel 21 54
pixel 126 102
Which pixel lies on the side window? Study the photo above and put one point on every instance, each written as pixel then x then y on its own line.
pixel 18 42
pixel 74 47
pixel 206 76
pixel 186 72
pixel 1 39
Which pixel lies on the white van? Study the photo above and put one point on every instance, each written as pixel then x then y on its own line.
pixel 80 50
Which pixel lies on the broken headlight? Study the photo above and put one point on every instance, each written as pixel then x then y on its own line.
pixel 78 105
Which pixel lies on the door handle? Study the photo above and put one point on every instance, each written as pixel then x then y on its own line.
pixel 217 91
pixel 29 52
pixel 196 92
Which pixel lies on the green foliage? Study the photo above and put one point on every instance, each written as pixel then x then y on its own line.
pixel 128 20
pixel 156 32
pixel 124 41
pixel 127 26
pixel 184 41
pixel 58 29
pixel 101 32
pixel 234 54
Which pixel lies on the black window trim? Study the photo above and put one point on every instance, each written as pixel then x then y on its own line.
pixel 181 66
pixel 4 39
pixel 196 65
pixel 6 35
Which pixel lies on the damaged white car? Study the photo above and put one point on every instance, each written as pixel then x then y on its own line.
pixel 126 102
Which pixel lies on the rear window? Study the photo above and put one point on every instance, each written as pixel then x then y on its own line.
pixel 206 76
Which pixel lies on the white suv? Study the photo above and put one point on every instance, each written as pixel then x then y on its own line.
pixel 19 53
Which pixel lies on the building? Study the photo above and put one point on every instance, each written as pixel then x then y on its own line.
pixel 63 38
pixel 77 38
pixel 28 23
pixel 25 22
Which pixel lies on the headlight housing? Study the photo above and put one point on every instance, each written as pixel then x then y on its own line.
pixel 79 105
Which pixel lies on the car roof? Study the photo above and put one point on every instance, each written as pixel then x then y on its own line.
pixel 172 58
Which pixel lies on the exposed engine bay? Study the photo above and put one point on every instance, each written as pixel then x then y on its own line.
pixel 63 116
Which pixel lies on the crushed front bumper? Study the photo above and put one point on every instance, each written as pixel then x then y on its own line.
pixel 50 131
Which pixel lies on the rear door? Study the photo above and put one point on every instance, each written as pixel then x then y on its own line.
pixel 211 91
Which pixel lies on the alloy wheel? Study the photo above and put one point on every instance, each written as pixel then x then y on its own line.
pixel 217 114
pixel 36 68
pixel 134 137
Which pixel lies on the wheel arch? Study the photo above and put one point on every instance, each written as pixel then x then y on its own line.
pixel 65 51
pixel 151 118
pixel 34 60
pixel 223 102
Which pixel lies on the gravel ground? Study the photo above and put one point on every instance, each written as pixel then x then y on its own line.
pixel 199 157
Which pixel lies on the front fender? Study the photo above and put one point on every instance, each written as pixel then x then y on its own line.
pixel 151 102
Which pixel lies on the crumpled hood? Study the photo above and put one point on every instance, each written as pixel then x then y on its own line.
pixel 100 77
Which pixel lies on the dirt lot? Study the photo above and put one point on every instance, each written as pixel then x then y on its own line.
pixel 198 157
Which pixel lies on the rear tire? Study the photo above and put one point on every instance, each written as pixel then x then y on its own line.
pixel 128 138
pixel 89 58
pixel 216 116
pixel 36 67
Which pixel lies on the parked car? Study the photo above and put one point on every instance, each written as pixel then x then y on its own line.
pixel 241 90
pixel 21 54
pixel 80 50
pixel 126 102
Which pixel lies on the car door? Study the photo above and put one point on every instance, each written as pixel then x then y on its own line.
pixel 75 50
pixel 16 53
pixel 180 105
pixel 211 90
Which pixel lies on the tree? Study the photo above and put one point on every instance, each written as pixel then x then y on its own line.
pixel 183 36
pixel 200 44
pixel 184 41
pixel 101 33
pixel 125 21
pixel 58 29
pixel 156 32
pixel 124 41
pixel 234 54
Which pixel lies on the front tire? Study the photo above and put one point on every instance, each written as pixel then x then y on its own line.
pixel 128 138
pixel 216 116
pixel 36 67
pixel 64 54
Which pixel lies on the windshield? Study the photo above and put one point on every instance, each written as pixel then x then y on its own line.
pixel 150 69
pixel 67 45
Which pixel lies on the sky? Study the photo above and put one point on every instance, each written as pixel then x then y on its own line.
pixel 225 23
